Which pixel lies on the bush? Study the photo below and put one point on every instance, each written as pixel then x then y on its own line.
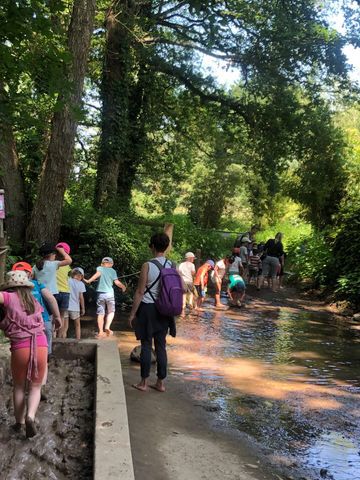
pixel 93 236
pixel 310 259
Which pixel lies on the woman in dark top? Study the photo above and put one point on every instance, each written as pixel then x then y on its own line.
pixel 274 256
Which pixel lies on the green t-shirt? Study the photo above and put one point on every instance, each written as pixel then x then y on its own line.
pixel 235 279
pixel 106 280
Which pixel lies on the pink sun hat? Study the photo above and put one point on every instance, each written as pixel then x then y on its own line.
pixel 65 246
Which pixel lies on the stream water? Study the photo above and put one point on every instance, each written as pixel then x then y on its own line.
pixel 288 378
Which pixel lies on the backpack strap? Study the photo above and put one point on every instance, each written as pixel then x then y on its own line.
pixel 160 267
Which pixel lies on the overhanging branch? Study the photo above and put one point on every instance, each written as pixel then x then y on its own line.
pixel 192 83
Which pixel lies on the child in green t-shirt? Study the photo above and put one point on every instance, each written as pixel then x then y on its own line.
pixel 236 289
pixel 105 295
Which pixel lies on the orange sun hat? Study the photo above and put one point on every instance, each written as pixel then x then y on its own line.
pixel 22 266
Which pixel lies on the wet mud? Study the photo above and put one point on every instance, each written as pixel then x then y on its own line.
pixel 63 448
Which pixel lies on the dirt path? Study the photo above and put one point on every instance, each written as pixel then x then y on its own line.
pixel 173 436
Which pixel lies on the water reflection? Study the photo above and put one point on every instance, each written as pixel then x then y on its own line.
pixel 288 378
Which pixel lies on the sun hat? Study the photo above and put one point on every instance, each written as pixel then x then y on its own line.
pixel 245 239
pixel 107 260
pixel 65 246
pixel 46 248
pixel 16 278
pixel 22 266
pixel 211 263
pixel 79 270
pixel 189 255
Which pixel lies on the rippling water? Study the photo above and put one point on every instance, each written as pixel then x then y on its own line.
pixel 288 378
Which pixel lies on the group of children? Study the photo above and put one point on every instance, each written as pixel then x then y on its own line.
pixel 249 262
pixel 36 303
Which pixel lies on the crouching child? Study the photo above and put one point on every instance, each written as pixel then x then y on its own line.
pixel 236 290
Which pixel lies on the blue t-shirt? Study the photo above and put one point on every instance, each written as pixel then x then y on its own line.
pixel 106 280
pixel 36 291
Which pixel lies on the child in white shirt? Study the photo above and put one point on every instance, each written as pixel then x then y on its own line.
pixel 76 302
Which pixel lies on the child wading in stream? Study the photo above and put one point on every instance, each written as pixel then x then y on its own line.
pixel 24 326
pixel 105 295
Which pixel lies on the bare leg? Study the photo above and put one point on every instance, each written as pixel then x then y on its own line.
pixel 191 300
pixel 109 319
pixel 33 399
pixel 184 303
pixel 19 402
pixel 77 328
pixel 100 322
pixel 64 324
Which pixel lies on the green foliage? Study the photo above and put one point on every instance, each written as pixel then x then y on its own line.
pixel 310 259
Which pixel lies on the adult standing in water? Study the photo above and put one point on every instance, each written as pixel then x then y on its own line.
pixel 271 264
pixel 149 324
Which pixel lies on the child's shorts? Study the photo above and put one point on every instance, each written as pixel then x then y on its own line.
pixel 105 303
pixel 238 288
pixel 73 315
pixel 200 293
pixel 62 299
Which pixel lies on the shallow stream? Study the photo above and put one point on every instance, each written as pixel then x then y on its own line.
pixel 287 377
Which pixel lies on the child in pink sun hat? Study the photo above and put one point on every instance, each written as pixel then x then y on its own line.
pixel 62 281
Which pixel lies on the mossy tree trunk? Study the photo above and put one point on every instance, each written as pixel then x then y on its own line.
pixel 46 216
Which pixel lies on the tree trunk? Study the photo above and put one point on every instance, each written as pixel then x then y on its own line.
pixel 12 181
pixel 46 216
pixel 115 103
pixel 125 87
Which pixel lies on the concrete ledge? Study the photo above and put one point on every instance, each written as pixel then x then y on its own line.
pixel 112 448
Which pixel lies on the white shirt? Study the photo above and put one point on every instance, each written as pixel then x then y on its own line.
pixel 152 276
pixel 234 267
pixel 243 254
pixel 76 287
pixel 187 271
pixel 221 269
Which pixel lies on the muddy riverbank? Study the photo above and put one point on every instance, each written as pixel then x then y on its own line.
pixel 63 448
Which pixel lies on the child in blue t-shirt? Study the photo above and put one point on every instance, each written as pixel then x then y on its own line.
pixel 105 295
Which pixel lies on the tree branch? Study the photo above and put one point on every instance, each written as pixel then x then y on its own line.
pixel 191 46
pixel 215 96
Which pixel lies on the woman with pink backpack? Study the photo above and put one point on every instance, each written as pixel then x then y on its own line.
pixel 24 326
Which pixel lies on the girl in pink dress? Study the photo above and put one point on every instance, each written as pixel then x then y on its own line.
pixel 24 326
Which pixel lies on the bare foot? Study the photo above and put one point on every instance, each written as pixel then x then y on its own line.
pixel 140 386
pixel 100 335
pixel 109 332
pixel 220 307
pixel 159 386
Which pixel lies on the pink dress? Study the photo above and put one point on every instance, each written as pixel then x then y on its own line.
pixel 23 330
